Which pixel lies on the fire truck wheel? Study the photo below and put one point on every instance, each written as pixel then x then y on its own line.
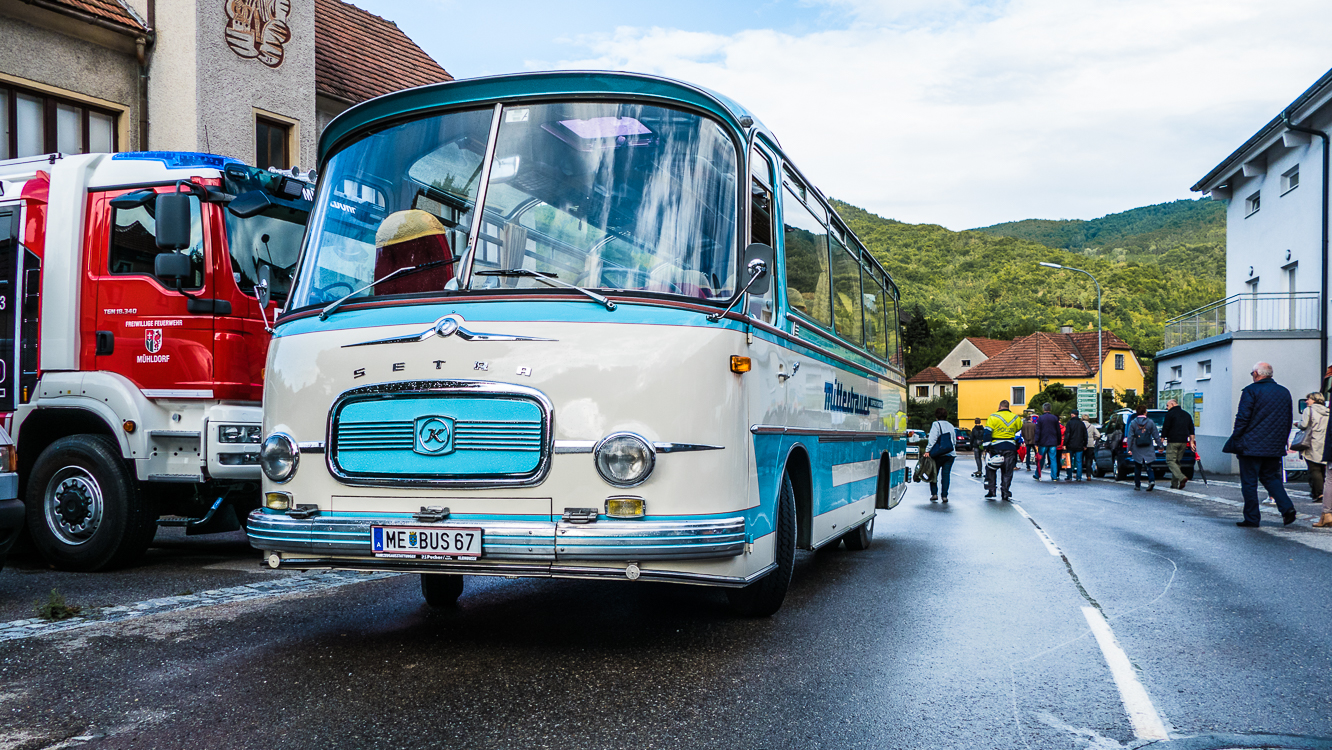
pixel 763 597
pixel 85 511
pixel 441 589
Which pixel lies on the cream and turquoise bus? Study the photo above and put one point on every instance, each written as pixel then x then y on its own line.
pixel 576 325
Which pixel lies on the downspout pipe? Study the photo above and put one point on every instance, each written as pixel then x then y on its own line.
pixel 1322 295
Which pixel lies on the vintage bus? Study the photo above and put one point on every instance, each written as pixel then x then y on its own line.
pixel 576 325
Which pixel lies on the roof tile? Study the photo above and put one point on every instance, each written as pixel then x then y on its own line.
pixel 107 10
pixel 1047 355
pixel 359 55
pixel 989 347
pixel 930 375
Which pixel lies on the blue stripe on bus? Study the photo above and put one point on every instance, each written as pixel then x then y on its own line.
pixel 771 452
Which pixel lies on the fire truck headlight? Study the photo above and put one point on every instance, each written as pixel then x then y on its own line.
pixel 624 459
pixel 279 457
pixel 238 433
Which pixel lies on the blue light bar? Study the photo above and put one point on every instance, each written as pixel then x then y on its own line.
pixel 180 159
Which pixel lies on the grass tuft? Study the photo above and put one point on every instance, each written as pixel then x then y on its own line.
pixel 55 608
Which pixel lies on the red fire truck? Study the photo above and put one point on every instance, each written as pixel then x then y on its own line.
pixel 135 290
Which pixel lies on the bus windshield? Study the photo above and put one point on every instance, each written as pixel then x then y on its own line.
pixel 605 195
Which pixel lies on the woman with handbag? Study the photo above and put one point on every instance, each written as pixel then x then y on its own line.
pixel 1313 423
pixel 941 446
pixel 1144 436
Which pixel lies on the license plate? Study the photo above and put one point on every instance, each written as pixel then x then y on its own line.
pixel 425 542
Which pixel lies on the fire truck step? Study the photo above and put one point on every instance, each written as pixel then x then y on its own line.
pixel 182 478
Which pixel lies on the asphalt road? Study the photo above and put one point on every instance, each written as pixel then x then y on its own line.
pixel 961 627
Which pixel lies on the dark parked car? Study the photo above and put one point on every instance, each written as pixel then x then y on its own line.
pixel 963 439
pixel 11 507
pixel 1122 465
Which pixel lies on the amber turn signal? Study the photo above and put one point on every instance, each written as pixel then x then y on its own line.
pixel 739 364
pixel 625 507
pixel 277 500
pixel 129 426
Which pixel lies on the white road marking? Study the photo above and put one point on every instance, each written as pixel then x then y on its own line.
pixel 1045 538
pixel 1147 723
pixel 854 472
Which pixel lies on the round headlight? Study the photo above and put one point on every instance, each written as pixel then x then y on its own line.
pixel 279 456
pixel 624 459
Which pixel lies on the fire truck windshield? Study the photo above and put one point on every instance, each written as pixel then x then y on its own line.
pixel 270 238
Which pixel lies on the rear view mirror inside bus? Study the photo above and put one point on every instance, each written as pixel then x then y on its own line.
pixel 760 251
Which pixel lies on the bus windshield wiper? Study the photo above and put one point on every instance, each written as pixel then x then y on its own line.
pixel 548 278
pixel 327 311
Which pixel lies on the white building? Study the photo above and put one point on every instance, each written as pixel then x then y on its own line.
pixel 933 382
pixel 1276 190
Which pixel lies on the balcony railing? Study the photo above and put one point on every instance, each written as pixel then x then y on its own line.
pixel 1296 311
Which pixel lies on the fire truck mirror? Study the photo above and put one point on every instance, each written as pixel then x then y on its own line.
pixel 264 287
pixel 173 221
pixel 249 204
pixel 171 267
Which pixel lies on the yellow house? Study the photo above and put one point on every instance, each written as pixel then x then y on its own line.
pixel 1033 362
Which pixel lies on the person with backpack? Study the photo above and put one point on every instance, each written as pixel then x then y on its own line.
pixel 1049 436
pixel 1029 440
pixel 941 445
pixel 980 435
pixel 1075 442
pixel 1143 438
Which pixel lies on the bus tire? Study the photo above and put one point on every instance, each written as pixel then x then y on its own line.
pixel 441 589
pixel 85 511
pixel 859 538
pixel 763 597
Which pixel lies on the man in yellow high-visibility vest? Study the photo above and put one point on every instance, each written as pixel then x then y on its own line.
pixel 1004 427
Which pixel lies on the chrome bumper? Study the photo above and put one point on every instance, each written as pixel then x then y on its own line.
pixel 536 542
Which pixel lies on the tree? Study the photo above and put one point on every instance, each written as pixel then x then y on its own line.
pixel 1061 400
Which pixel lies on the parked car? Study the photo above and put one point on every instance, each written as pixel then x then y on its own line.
pixel 11 507
pixel 963 439
pixel 1122 466
pixel 915 439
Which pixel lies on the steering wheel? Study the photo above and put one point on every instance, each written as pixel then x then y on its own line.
pixel 326 291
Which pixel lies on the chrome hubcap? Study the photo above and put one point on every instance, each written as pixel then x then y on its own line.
pixel 73 505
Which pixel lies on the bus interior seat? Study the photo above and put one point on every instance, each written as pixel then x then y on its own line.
pixel 410 238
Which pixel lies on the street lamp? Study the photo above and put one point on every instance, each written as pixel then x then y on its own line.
pixel 1100 337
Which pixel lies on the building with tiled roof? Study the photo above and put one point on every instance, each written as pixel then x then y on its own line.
pixel 929 383
pixel 1031 363
pixel 968 353
pixel 254 81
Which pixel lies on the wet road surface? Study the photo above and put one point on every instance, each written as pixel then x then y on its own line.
pixel 960 627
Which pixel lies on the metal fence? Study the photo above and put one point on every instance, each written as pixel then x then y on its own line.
pixel 1245 312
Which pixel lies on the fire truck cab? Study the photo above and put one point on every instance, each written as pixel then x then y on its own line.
pixel 135 290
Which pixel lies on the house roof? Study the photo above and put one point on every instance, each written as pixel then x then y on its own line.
pixel 930 375
pixel 360 56
pixel 1047 355
pixel 116 12
pixel 1272 128
pixel 988 347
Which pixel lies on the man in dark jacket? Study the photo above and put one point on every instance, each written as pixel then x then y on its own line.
pixel 980 435
pixel 1262 427
pixel 1178 434
pixel 1029 440
pixel 1047 439
pixel 1075 442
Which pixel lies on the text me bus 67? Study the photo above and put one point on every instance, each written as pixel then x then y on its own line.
pixel 576 325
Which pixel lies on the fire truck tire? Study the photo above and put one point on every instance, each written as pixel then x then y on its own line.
pixel 85 511
pixel 764 597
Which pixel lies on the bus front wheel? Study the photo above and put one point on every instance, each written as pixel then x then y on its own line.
pixel 763 597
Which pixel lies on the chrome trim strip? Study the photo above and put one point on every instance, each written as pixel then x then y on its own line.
pixel 444 327
pixel 574 446
pixel 587 446
pixel 312 447
pixel 665 576
pixel 835 435
pixel 517 570
pixel 417 388
pixel 183 434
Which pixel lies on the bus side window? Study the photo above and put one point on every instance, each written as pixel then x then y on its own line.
pixel 847 299
pixel 760 227
pixel 805 246
pixel 875 302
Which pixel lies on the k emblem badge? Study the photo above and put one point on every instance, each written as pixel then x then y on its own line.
pixel 434 435
pixel 152 339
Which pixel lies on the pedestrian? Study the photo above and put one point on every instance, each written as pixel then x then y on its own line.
pixel 1259 441
pixel 1004 427
pixel 942 447
pixel 1075 442
pixel 1047 440
pixel 1325 520
pixel 1314 423
pixel 980 435
pixel 1144 437
pixel 1029 440
pixel 1115 441
pixel 1093 439
pixel 1178 434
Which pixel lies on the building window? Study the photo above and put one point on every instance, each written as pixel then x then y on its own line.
pixel 1290 179
pixel 1177 373
pixel 34 123
pixel 966 363
pixel 1252 204
pixel 1019 395
pixel 1119 361
pixel 922 391
pixel 1205 369
pixel 270 143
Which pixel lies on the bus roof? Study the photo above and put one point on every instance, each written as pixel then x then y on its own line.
pixel 411 103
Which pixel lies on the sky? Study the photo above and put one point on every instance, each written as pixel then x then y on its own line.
pixel 949 112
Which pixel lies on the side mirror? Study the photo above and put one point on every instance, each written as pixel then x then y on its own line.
pixel 133 200
pixel 249 204
pixel 264 289
pixel 764 254
pixel 173 222
pixel 173 267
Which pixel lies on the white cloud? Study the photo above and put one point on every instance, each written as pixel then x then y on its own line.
pixel 972 114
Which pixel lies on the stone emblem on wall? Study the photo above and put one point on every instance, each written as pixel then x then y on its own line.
pixel 257 29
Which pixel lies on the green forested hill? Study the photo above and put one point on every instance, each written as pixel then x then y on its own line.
pixel 988 282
